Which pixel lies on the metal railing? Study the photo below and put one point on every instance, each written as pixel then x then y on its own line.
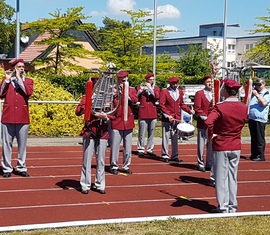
pixel 37 102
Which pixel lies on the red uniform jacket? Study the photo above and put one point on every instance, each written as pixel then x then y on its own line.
pixel 96 128
pixel 171 107
pixel 15 109
pixel 227 120
pixel 147 108
pixel 202 107
pixel 117 122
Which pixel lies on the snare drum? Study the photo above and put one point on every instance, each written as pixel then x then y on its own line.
pixel 185 130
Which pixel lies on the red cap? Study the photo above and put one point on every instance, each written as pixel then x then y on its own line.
pixel 122 74
pixel 231 84
pixel 207 76
pixel 149 75
pixel 174 79
pixel 16 62
pixel 94 77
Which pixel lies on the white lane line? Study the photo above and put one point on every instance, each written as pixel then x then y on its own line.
pixel 120 202
pixel 128 220
pixel 108 174
pixel 122 186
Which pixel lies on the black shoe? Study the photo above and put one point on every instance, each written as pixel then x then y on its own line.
pixel 24 174
pixel 7 175
pixel 201 168
pixel 127 171
pixel 258 159
pixel 151 154
pixel 176 160
pixel 216 211
pixel 102 191
pixel 114 171
pixel 166 160
pixel 141 155
pixel 208 168
pixel 84 191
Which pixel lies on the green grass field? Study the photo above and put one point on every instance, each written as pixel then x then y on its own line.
pixel 253 225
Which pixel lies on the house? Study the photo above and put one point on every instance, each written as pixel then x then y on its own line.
pixel 31 51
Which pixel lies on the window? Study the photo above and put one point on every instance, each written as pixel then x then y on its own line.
pixel 231 48
pixel 249 46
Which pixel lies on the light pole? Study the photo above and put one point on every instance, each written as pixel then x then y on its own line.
pixel 224 39
pixel 17 45
pixel 155 39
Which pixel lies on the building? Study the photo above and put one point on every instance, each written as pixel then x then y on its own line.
pixel 210 35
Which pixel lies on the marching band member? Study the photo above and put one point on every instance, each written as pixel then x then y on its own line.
pixel 122 124
pixel 16 90
pixel 95 137
pixel 225 123
pixel 202 106
pixel 171 100
pixel 147 95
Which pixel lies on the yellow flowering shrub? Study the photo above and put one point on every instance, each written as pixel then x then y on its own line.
pixel 53 119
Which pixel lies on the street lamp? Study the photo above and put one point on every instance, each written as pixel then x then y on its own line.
pixel 225 37
pixel 17 45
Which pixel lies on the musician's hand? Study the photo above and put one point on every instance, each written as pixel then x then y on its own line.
pixel 101 115
pixel 8 75
pixel 148 85
pixel 18 74
pixel 192 111
pixel 214 136
pixel 171 119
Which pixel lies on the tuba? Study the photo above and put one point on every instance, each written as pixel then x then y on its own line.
pixel 100 97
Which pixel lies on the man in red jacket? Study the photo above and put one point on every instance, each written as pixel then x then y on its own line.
pixel 95 137
pixel 16 90
pixel 148 95
pixel 170 102
pixel 225 123
pixel 202 106
pixel 122 129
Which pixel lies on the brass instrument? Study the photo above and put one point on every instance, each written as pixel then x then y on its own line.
pixel 11 72
pixel 103 91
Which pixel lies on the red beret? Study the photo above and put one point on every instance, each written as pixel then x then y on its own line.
pixel 231 84
pixel 94 77
pixel 16 62
pixel 174 79
pixel 207 76
pixel 122 74
pixel 149 75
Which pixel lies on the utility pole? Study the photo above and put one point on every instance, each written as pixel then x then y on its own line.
pixel 155 39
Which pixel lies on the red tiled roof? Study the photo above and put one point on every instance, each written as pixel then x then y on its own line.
pixel 34 50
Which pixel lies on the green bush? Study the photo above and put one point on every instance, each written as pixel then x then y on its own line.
pixel 53 119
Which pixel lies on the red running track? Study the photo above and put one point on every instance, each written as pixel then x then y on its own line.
pixel 51 193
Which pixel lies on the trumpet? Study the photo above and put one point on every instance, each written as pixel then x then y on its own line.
pixel 11 72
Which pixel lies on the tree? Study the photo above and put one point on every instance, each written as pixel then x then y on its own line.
pixel 194 61
pixel 7 27
pixel 261 52
pixel 121 42
pixel 63 32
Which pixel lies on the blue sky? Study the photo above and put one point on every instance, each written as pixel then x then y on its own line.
pixel 182 15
